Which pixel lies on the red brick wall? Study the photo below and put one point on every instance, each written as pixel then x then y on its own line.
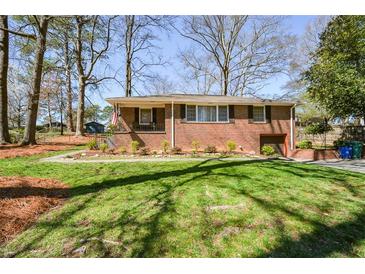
pixel 239 130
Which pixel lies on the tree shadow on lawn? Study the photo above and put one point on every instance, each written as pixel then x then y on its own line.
pixel 321 242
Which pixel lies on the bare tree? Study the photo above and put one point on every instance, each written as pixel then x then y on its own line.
pixel 18 94
pixel 302 57
pixel 4 63
pixel 138 34
pixel 246 50
pixel 41 26
pixel 92 41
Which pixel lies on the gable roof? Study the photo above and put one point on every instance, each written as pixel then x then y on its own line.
pixel 196 99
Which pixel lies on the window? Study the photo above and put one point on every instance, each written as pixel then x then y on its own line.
pixel 259 114
pixel 222 113
pixel 207 113
pixel 145 116
pixel 191 113
pixel 196 113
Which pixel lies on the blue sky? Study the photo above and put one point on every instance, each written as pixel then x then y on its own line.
pixel 169 46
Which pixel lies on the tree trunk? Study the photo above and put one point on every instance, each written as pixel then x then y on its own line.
pixel 4 62
pixel 80 108
pixel 31 120
pixel 49 113
pixel 70 126
pixel 128 42
pixel 225 81
pixel 61 111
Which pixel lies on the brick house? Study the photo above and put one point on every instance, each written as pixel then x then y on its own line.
pixel 208 119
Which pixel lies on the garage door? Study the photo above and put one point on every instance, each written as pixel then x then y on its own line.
pixel 276 141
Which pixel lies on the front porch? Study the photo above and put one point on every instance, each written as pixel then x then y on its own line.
pixel 139 119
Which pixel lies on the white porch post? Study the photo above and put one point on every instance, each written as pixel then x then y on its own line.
pixel 292 128
pixel 172 124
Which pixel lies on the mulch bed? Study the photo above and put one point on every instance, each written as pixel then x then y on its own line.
pixel 24 199
pixel 54 144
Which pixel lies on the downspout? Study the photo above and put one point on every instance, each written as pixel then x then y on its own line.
pixel 292 127
pixel 172 125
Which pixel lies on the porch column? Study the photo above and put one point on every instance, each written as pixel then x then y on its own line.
pixel 172 125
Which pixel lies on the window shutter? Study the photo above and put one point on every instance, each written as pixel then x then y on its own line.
pixel 182 111
pixel 154 115
pixel 136 115
pixel 250 114
pixel 268 114
pixel 293 113
pixel 231 111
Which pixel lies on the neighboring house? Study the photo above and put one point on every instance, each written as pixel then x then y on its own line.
pixel 208 119
pixel 94 127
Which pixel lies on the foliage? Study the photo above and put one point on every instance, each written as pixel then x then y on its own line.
pixel 267 150
pixel 210 149
pixel 103 147
pixel 318 128
pixel 144 151
pixel 122 149
pixel 338 143
pixel 165 146
pixel 305 144
pixel 337 76
pixel 176 150
pixel 134 146
pixel 195 145
pixel 92 144
pixel 231 145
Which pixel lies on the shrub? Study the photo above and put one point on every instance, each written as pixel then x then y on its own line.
pixel 267 150
pixel 154 152
pixel 176 150
pixel 231 145
pixel 305 144
pixel 103 147
pixel 195 146
pixel 92 144
pixel 210 149
pixel 165 146
pixel 144 151
pixel 134 146
pixel 122 149
pixel 338 143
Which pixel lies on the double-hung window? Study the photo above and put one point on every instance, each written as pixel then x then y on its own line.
pixel 145 116
pixel 259 114
pixel 203 113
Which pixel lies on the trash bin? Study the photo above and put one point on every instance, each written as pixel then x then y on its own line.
pixel 345 152
pixel 356 149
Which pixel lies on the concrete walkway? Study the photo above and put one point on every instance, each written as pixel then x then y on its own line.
pixel 352 165
pixel 67 159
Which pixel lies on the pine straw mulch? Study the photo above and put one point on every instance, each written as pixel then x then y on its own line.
pixel 24 199
pixel 53 144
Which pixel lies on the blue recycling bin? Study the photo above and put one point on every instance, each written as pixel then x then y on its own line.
pixel 345 152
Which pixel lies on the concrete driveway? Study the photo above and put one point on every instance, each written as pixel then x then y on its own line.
pixel 352 165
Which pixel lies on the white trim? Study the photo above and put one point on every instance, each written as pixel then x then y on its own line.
pixel 141 116
pixel 207 105
pixel 172 124
pixel 292 120
pixel 259 122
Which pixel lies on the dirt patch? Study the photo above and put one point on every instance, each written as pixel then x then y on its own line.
pixel 23 200
pixel 54 144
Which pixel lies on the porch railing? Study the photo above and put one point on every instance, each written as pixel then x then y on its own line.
pixel 149 127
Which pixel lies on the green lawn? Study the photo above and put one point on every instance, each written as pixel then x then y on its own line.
pixel 197 209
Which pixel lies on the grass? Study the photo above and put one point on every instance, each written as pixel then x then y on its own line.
pixel 189 209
